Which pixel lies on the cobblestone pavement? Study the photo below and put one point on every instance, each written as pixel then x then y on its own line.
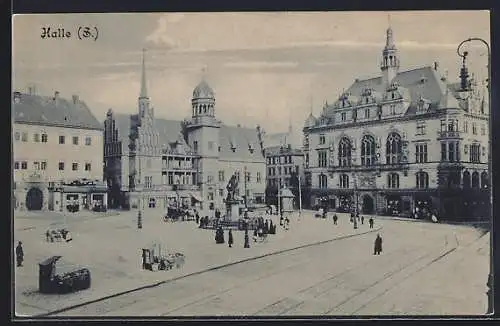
pixel 110 246
pixel 425 269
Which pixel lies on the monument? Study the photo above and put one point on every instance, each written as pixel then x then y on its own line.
pixel 232 202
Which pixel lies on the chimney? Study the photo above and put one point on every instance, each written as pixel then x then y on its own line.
pixel 436 65
pixel 75 99
pixel 238 125
pixel 30 90
pixel 56 95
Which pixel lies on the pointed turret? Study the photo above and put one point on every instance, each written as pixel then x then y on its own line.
pixel 390 60
pixel 144 89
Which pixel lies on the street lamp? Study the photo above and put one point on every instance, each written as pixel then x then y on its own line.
pixel 463 55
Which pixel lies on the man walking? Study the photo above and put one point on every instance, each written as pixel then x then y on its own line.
pixel 230 239
pixel 19 254
pixel 378 245
pixel 370 221
pixel 362 220
pixel 335 217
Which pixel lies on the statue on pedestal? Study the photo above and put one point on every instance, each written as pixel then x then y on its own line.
pixel 232 203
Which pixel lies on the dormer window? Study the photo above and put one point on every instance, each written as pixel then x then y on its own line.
pixel 233 147
pixel 343 116
pixel 250 148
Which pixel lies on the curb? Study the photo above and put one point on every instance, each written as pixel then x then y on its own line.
pixel 58 311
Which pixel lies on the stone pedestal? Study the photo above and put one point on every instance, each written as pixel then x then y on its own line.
pixel 232 210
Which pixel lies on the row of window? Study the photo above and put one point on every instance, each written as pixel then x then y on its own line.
pixel 237 173
pixel 453 125
pixel 286 170
pixel 44 138
pixel 450 152
pixel 422 181
pixel 446 125
pixel 474 180
pixel 211 147
pixel 42 165
pixel 278 160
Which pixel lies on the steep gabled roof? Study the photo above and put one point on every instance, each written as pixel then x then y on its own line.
pixel 245 140
pixel 45 110
pixel 421 82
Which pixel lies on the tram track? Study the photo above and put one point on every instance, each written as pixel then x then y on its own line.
pixel 86 305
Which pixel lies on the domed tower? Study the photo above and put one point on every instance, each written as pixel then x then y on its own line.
pixel 390 59
pixel 203 101
pixel 203 138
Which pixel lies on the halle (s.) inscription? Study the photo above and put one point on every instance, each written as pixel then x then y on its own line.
pixel 81 32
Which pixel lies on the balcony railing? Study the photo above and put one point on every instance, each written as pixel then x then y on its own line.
pixel 185 187
pixel 449 134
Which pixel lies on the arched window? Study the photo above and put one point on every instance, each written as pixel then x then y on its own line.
pixel 367 150
pixel 323 181
pixel 466 180
pixel 475 180
pixel 393 180
pixel 422 181
pixel 485 183
pixel 345 149
pixel 344 181
pixel 393 148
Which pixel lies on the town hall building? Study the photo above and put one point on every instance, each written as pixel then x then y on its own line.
pixel 153 163
pixel 402 142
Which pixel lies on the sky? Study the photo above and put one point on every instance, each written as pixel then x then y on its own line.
pixel 265 68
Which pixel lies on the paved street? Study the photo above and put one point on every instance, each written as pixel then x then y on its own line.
pixel 424 269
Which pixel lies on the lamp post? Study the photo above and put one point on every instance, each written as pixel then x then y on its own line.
pixel 463 54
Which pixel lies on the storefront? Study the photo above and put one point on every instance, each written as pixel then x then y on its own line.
pixel 76 197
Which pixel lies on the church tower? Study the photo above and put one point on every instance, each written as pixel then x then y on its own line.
pixel 145 109
pixel 144 148
pixel 203 137
pixel 390 59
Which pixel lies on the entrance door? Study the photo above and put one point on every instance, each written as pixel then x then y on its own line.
pixel 367 204
pixel 34 199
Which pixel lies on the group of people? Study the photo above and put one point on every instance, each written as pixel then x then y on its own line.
pixel 355 218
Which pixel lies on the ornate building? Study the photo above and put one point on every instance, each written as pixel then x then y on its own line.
pixel 57 154
pixel 403 141
pixel 152 162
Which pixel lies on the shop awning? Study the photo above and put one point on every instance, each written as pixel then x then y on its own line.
pixel 196 197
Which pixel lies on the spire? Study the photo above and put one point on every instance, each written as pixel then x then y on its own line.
pixel 144 90
pixel 289 121
pixel 310 104
pixel 389 41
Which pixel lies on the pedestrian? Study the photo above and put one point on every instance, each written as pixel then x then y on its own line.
pixel 47 235
pixel 19 254
pixel 362 220
pixel 370 221
pixel 434 218
pixel 197 216
pixel 230 239
pixel 378 245
pixel 287 223
pixel 335 217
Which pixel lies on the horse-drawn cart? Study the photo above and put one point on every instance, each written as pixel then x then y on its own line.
pixel 155 258
pixel 176 214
